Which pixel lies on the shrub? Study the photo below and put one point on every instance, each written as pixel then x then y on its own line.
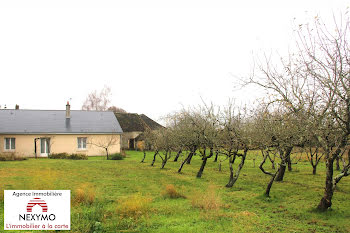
pixel 78 157
pixel 207 201
pixel 67 156
pixel 58 156
pixel 116 156
pixel 133 207
pixel 171 192
pixel 11 157
pixel 85 194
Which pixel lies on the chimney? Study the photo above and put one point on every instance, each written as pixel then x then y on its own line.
pixel 67 110
pixel 17 107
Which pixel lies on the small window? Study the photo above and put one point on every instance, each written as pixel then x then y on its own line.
pixel 82 143
pixel 10 143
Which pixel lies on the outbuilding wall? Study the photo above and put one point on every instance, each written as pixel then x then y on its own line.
pixel 127 136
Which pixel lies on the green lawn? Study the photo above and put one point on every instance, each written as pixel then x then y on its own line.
pixel 108 185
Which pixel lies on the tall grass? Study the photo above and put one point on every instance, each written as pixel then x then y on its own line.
pixel 207 201
pixel 171 192
pixel 133 206
pixel 84 194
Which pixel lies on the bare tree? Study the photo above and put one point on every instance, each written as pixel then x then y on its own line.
pixel 185 137
pixel 156 152
pixel 273 175
pixel 314 83
pixel 196 131
pixel 177 140
pixel 234 138
pixel 116 109
pixel 264 136
pixel 166 143
pixel 206 123
pixel 313 150
pixel 148 139
pixel 106 142
pixel 98 101
pixel 325 57
pixel 152 143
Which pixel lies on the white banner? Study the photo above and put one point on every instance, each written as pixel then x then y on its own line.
pixel 37 210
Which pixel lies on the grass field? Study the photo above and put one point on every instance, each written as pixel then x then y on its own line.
pixel 129 196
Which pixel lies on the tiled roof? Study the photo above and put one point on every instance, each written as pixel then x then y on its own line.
pixel 54 122
pixel 132 122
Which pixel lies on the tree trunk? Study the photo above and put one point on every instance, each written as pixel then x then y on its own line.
pixel 106 152
pixel 289 162
pixel 177 155
pixel 326 200
pixel 216 156
pixel 281 171
pixel 234 178
pixel 193 151
pixel 165 160
pixel 183 162
pixel 200 172
pixel 204 162
pixel 189 158
pixel 231 162
pixel 269 186
pixel 182 165
pixel 154 158
pixel 144 157
pixel 337 164
pixel 314 167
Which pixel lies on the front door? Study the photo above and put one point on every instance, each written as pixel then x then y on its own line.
pixel 45 147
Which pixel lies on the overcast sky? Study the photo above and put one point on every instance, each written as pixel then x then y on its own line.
pixel 156 56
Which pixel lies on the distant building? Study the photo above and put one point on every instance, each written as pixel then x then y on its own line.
pixel 133 126
pixel 41 132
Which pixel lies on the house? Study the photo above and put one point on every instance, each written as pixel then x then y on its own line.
pixel 133 126
pixel 37 133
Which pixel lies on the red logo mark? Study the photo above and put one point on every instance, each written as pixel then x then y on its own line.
pixel 37 201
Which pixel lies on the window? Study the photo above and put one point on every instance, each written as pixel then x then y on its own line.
pixel 82 143
pixel 10 143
